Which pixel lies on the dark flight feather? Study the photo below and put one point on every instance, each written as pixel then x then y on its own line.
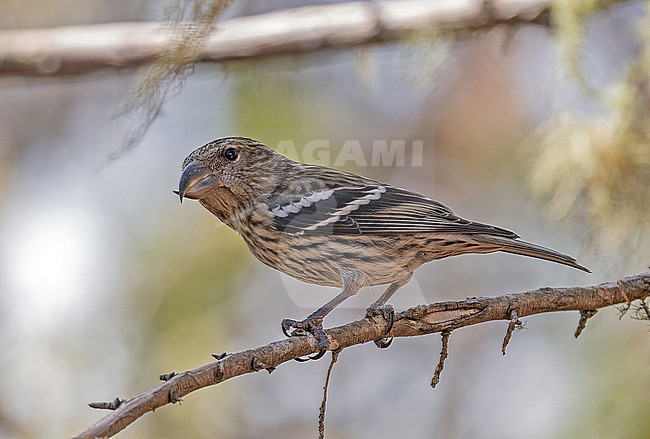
pixel 374 209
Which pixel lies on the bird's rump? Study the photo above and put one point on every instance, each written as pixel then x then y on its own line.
pixel 372 209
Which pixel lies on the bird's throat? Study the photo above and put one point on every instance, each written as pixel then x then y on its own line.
pixel 224 205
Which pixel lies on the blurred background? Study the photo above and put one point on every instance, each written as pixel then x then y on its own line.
pixel 106 281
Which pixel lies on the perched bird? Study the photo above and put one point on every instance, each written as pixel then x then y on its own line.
pixel 334 228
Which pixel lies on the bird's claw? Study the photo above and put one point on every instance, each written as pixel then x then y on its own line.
pixel 383 343
pixel 316 356
pixel 388 313
pixel 314 326
pixel 287 324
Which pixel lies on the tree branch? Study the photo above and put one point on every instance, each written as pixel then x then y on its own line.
pixel 75 50
pixel 424 319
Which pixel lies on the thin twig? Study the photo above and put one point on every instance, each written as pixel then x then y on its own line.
pixel 623 309
pixel 444 352
pixel 585 315
pixel 219 356
pixel 323 404
pixel 642 311
pixel 512 325
pixel 107 405
pixel 167 376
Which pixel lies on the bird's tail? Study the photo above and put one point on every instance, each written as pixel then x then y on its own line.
pixel 524 248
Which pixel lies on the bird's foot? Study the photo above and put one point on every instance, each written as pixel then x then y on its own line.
pixel 310 325
pixel 388 313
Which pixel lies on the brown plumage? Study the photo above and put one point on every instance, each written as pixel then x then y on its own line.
pixel 334 228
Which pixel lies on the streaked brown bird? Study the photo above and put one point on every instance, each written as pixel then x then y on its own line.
pixel 334 228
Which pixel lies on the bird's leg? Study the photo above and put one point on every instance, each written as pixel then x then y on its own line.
pixel 352 283
pixel 379 307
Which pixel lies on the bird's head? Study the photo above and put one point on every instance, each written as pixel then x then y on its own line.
pixel 236 167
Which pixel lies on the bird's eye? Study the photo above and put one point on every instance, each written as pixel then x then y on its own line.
pixel 231 154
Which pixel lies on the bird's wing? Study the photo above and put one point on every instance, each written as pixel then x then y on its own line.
pixel 370 209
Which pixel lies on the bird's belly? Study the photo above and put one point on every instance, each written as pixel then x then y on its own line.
pixel 320 259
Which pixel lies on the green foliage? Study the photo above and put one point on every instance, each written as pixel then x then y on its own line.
pixel 597 172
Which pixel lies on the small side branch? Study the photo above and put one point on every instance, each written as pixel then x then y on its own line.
pixel 323 404
pixel 585 315
pixel 512 325
pixel 167 376
pixel 107 405
pixel 441 317
pixel 444 352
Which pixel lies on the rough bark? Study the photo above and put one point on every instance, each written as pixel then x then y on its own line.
pixel 441 317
